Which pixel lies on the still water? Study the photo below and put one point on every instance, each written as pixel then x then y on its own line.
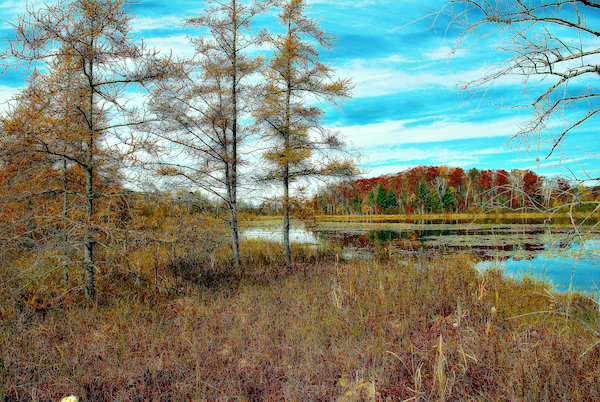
pixel 549 251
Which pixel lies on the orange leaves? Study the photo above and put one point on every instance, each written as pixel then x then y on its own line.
pixel 167 171
pixel 73 116
pixel 298 145
pixel 287 156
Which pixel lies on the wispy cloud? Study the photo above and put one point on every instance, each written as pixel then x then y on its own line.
pixel 398 132
pixel 6 94
pixel 147 23
pixel 346 3
pixel 11 9
pixel 379 77
pixel 179 45
pixel 443 53
pixel 394 159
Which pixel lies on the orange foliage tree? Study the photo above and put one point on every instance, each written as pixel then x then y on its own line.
pixel 39 139
pixel 92 41
pixel 297 144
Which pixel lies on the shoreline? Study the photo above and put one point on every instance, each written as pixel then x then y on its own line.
pixel 449 216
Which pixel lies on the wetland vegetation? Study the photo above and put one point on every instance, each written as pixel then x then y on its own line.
pixel 174 321
pixel 522 244
pixel 325 329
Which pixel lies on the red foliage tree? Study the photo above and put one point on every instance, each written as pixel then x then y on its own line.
pixel 456 177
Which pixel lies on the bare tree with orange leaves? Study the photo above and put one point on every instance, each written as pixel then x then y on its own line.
pixel 295 81
pixel 92 38
pixel 39 136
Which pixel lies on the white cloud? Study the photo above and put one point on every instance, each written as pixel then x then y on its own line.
pixel 19 6
pixel 396 132
pixel 396 58
pixel 380 77
pixel 11 9
pixel 347 3
pixel 383 170
pixel 6 93
pixel 394 159
pixel 178 44
pixel 441 155
pixel 146 23
pixel 443 53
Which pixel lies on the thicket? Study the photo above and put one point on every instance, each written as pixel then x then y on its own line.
pixel 72 145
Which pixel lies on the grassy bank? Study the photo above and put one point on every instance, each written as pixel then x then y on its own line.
pixel 320 330
pixel 453 216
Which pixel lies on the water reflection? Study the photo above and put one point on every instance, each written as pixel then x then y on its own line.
pixel 518 246
pixel 297 234
pixel 563 272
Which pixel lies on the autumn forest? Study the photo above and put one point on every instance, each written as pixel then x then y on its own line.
pixel 442 189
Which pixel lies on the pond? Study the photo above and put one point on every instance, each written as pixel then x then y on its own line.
pixel 549 251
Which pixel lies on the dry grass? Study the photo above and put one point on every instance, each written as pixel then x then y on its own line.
pixel 433 329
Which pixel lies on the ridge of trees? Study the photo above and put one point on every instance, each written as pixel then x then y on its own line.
pixel 443 189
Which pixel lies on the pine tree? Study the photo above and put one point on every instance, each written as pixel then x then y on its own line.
pixel 381 197
pixel 390 199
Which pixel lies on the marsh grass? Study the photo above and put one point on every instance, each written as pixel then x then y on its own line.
pixel 445 216
pixel 320 329
pixel 565 213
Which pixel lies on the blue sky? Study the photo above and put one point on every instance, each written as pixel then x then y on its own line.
pixel 405 109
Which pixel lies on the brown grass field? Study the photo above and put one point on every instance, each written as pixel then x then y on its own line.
pixel 321 329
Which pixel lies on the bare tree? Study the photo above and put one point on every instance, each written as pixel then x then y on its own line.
pixel 95 36
pixel 440 185
pixel 552 45
pixel 203 109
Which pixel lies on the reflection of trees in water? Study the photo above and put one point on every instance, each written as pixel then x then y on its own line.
pixel 525 243
pixel 383 236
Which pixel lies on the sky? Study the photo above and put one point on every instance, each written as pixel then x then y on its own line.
pixel 406 110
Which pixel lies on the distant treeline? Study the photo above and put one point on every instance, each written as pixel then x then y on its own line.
pixel 443 189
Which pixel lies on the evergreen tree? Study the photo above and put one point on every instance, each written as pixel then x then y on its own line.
pixel 447 199
pixel 381 196
pixel 356 203
pixel 390 199
pixel 423 195
pixel 433 202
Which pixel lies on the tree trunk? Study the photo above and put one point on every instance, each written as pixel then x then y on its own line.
pixel 64 224
pixel 234 140
pixel 88 241
pixel 286 218
pixel 235 238
pixel 90 289
pixel 286 172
